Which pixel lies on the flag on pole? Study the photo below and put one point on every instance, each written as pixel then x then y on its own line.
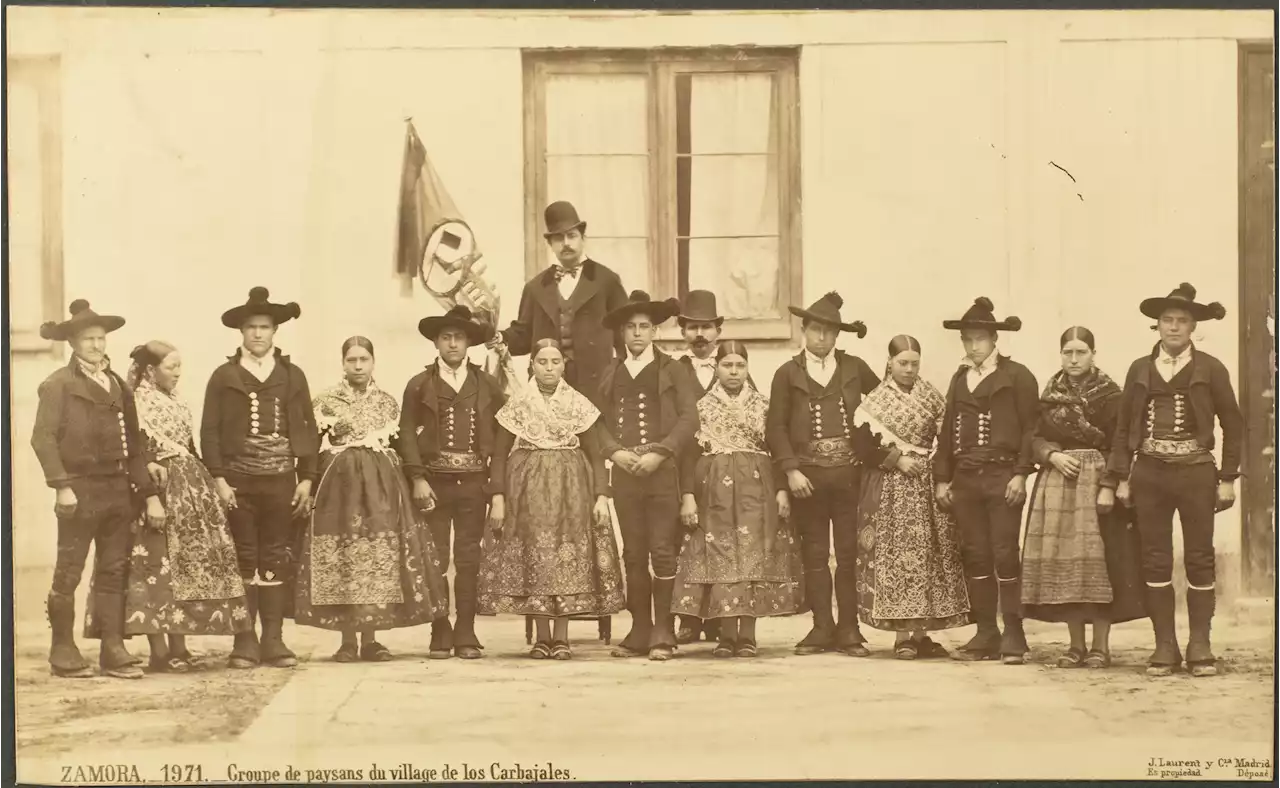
pixel 425 204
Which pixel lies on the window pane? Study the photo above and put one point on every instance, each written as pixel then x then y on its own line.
pixel 733 195
pixel 611 193
pixel 742 272
pixel 26 215
pixel 597 113
pixel 731 113
pixel 626 257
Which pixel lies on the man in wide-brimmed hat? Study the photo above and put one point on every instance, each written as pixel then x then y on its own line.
pixel 567 302
pixel 261 445
pixel 809 431
pixel 1162 462
pixel 87 440
pixel 984 457
pixel 446 441
pixel 649 406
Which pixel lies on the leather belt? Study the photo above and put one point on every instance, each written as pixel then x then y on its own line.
pixel 828 452
pixel 1160 447
pixel 455 462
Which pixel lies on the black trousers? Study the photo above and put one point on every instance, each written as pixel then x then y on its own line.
pixel 830 513
pixel 649 518
pixel 262 525
pixel 461 504
pixel 1159 489
pixel 988 526
pixel 105 511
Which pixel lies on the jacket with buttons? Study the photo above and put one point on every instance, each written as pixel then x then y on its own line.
pixel 420 439
pixel 83 430
pixel 675 416
pixel 790 422
pixel 1003 418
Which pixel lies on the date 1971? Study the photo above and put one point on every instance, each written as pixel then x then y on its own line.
pixel 118 773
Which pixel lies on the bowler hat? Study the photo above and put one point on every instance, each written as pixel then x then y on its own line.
pixel 458 317
pixel 826 310
pixel 560 218
pixel 259 304
pixel 982 315
pixel 640 302
pixel 699 307
pixel 82 317
pixel 1183 297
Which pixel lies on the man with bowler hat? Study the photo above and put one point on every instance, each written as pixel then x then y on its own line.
pixel 809 429
pixel 567 302
pixel 1162 462
pixel 650 410
pixel 446 441
pixel 91 450
pixel 261 445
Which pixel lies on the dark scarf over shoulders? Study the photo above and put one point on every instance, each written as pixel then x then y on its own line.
pixel 1075 409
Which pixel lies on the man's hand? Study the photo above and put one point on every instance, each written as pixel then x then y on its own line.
pixel 1106 500
pixel 601 511
pixel 155 513
pixel 1123 496
pixel 226 493
pixel 65 503
pixel 784 504
pixel 799 484
pixel 689 511
pixel 1015 492
pixel 649 463
pixel 911 466
pixel 158 473
pixel 496 342
pixel 423 496
pixel 1226 496
pixel 942 493
pixel 626 460
pixel 301 502
pixel 497 514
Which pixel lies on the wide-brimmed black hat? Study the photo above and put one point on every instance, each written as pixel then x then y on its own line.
pixel 1183 297
pixel 699 307
pixel 827 310
pixel 82 317
pixel 259 304
pixel 458 317
pixel 639 301
pixel 982 315
pixel 561 217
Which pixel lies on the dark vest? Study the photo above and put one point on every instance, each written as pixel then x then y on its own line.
pixel 268 409
pixel 828 415
pixel 1169 413
pixel 973 417
pixel 457 416
pixel 637 406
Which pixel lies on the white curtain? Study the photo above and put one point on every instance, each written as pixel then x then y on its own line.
pixel 734 192
pixel 26 208
pixel 598 159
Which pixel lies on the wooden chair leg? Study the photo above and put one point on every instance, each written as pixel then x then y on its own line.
pixel 528 630
pixel 606 629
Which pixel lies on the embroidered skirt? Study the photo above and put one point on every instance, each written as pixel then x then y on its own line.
pixel 552 558
pixel 742 559
pixel 909 572
pixel 184 580
pixel 1074 562
pixel 367 560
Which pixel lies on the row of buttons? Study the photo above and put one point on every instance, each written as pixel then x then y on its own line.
pixel 254 423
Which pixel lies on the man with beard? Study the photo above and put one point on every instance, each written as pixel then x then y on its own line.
pixel 567 302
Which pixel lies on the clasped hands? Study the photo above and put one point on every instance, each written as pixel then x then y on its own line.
pixel 635 464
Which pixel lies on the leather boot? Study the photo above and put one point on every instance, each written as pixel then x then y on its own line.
pixel 1167 657
pixel 245 650
pixel 65 660
pixel 1013 645
pixel 985 643
pixel 271 604
pixel 662 639
pixel 711 629
pixel 690 629
pixel 1200 605
pixel 465 643
pixel 114 659
pixel 441 639
pixel 640 605
pixel 818 592
pixel 849 637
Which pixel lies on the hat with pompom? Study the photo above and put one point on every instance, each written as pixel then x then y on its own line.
pixel 82 317
pixel 826 310
pixel 982 315
pixel 259 305
pixel 1183 297
pixel 639 302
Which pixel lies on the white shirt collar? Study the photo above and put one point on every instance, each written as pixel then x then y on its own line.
pixel 636 363
pixel 1181 358
pixel 709 361
pixel 455 378
pixel 988 364
pixel 821 363
pixel 260 368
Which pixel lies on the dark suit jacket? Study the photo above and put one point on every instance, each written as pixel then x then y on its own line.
pixel 419 438
pixel 1015 409
pixel 599 293
pixel 1211 395
pixel 77 431
pixel 225 422
pixel 788 425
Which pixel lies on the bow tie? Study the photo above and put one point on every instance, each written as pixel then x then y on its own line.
pixel 704 363
pixel 562 272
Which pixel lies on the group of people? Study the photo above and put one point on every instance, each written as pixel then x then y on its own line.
pixel 729 499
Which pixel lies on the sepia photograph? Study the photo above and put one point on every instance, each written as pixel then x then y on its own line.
pixel 847 394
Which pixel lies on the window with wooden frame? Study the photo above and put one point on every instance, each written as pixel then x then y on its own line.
pixel 34 147
pixel 684 164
